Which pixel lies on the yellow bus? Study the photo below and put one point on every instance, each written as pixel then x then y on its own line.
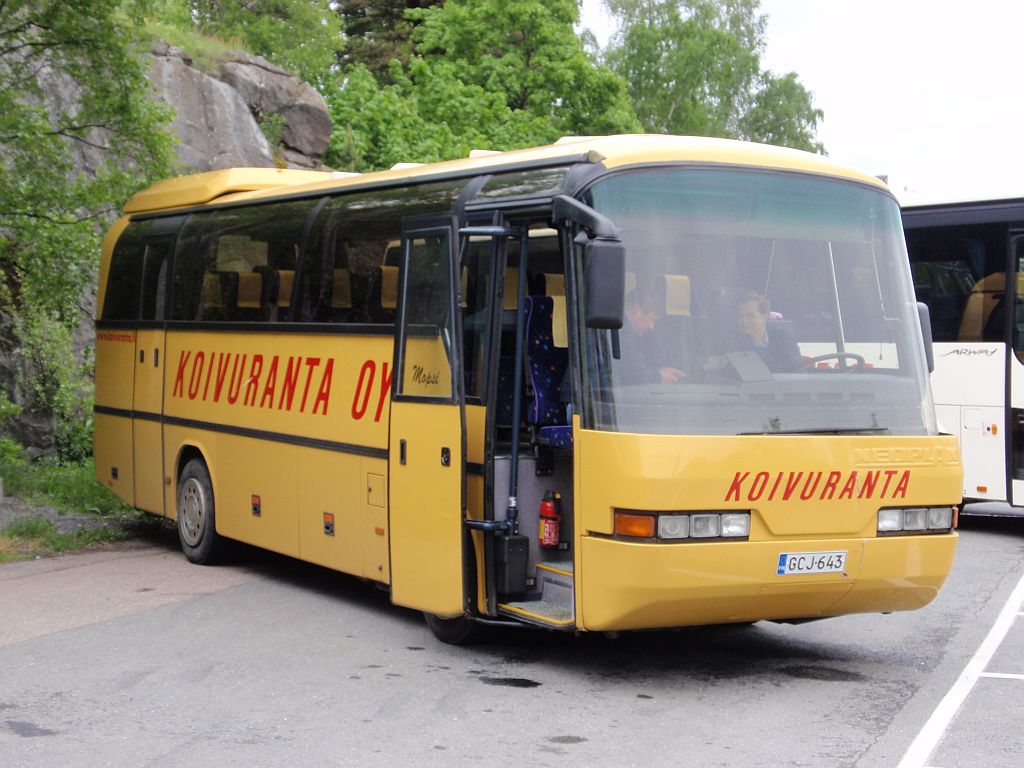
pixel 614 383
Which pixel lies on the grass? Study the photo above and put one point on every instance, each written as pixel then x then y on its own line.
pixel 35 537
pixel 65 487
pixel 68 488
pixel 207 51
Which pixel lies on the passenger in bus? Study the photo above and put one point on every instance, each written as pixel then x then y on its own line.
pixel 647 351
pixel 772 340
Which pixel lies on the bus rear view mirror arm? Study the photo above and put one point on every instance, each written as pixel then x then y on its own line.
pixel 604 262
pixel 598 226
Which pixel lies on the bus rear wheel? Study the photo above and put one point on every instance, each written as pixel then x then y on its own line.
pixel 196 517
pixel 460 630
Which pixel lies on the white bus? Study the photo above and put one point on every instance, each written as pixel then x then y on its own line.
pixel 961 254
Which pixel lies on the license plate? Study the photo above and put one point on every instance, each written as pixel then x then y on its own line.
pixel 798 563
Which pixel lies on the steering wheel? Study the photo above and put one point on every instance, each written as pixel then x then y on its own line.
pixel 840 356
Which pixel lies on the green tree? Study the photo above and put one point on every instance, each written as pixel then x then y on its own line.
pixel 485 74
pixel 302 36
pixel 377 31
pixel 78 135
pixel 783 113
pixel 529 52
pixel 694 67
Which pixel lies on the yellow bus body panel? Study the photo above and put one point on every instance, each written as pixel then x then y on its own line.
pixel 642 586
pixel 625 584
pixel 426 508
pixel 147 433
pixel 112 445
pixel 294 430
pixel 199 188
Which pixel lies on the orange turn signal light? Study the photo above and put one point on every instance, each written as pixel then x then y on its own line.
pixel 637 526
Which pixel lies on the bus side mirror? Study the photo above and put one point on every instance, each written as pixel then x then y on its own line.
pixel 926 332
pixel 604 276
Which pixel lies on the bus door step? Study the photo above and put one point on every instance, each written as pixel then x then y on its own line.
pixel 554 606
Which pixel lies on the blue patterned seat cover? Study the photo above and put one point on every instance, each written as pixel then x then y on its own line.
pixel 546 365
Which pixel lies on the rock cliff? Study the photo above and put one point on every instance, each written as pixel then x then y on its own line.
pixel 224 118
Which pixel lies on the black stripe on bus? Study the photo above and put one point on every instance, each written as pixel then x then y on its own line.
pixel 257 434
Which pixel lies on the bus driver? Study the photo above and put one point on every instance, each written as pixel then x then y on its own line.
pixel 773 342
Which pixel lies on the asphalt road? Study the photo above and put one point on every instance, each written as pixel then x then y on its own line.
pixel 133 657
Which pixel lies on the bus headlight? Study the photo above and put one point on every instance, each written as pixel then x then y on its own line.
pixel 940 517
pixel 705 526
pixel 735 525
pixel 673 526
pixel 915 520
pixel 890 520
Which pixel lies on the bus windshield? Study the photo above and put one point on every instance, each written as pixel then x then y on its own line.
pixel 757 302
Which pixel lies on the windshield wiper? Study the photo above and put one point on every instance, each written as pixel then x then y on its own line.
pixel 823 431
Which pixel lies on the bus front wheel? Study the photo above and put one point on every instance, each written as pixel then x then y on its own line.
pixel 458 631
pixel 196 518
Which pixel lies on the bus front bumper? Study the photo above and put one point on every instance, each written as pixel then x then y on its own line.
pixel 625 585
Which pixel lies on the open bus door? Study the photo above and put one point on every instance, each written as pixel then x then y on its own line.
pixel 427 432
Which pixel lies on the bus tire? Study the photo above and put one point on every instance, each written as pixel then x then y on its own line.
pixel 460 630
pixel 196 516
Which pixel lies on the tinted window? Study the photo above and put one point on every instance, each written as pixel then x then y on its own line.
pixel 122 298
pixel 350 271
pixel 238 264
pixel 960 273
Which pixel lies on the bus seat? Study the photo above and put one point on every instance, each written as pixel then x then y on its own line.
pixel 985 296
pixel 511 289
pixel 546 365
pixel 681 333
pixel 272 293
pixel 285 280
pixel 677 295
pixel 210 297
pixel 250 290
pixel 341 290
pixel 554 286
pixel 393 253
pixel 388 287
pixel 219 295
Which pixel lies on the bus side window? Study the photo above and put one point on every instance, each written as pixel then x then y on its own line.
pixel 339 279
pixel 238 264
pixel 982 319
pixel 121 300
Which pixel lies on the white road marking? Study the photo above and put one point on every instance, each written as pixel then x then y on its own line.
pixel 928 738
pixel 1002 675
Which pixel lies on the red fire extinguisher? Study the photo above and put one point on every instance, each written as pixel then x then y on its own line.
pixel 550 520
